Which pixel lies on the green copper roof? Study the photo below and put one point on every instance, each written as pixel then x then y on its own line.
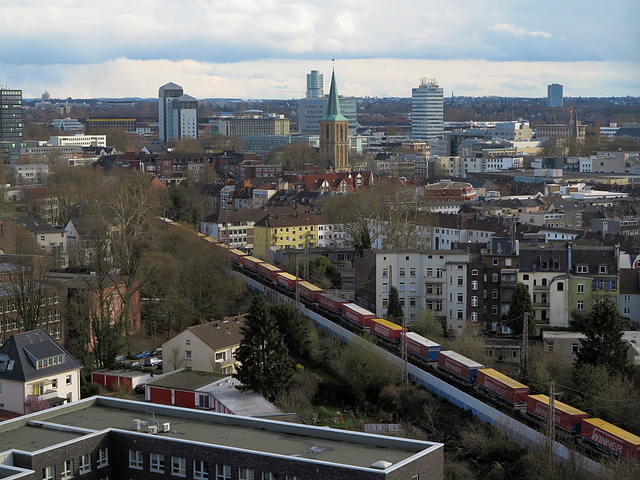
pixel 333 107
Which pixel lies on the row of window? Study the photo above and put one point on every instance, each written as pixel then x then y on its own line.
pixel 84 465
pixel 177 466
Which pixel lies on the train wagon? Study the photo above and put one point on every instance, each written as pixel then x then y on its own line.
pixel 330 302
pixel 566 417
pixel 503 387
pixel 458 365
pixel 388 330
pixel 357 314
pixel 236 255
pixel 309 291
pixel 422 347
pixel 268 271
pixel 611 438
pixel 286 280
pixel 251 263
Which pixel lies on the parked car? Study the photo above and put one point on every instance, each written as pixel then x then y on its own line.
pixel 142 354
pixel 140 388
pixel 120 359
pixel 152 362
pixel 157 352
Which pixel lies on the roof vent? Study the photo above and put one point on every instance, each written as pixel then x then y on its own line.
pixel 381 464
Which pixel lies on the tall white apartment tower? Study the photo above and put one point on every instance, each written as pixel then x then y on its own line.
pixel 177 114
pixel 315 84
pixel 427 110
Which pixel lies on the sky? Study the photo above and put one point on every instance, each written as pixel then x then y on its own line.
pixel 264 48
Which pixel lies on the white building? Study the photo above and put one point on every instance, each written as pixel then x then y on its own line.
pixel 515 131
pixel 36 373
pixel 427 110
pixel 67 124
pixel 30 173
pixel 78 141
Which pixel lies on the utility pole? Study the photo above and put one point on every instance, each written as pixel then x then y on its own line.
pixel 297 289
pixel 551 419
pixel 525 344
pixel 404 353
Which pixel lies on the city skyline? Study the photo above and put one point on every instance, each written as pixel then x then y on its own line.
pixel 265 49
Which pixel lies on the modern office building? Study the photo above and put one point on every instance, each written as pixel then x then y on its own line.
pixel 427 110
pixel 177 114
pixel 311 110
pixel 244 125
pixel 554 95
pixel 100 125
pixel 334 133
pixel 10 115
pixel 315 84
pixel 103 437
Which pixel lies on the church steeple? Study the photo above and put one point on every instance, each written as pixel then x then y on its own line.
pixel 334 132
pixel 333 106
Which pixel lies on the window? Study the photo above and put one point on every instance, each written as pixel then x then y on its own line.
pixel 85 463
pixel 544 282
pixel 627 298
pixel 385 287
pixel 495 262
pixel 223 472
pixel 412 287
pixel 412 272
pixel 460 314
pixel 474 272
pixel 474 317
pixel 67 469
pixel 103 457
pixel 68 380
pixel 401 287
pixel 385 302
pixel 179 466
pixel 602 269
pixel 135 459
pixel 582 268
pixel 401 270
pixel 269 476
pixel 560 286
pixel 187 341
pixel 580 305
pixel 245 474
pixel 156 463
pixel 412 301
pixel 401 300
pixel 474 301
pixel 474 285
pixel 575 347
pixel 494 278
pixel 429 272
pixel 494 309
pixel 494 294
pixel 201 470
pixel 525 277
pixel 581 288
pixel 460 298
pixel 626 311
pixel 460 280
pixel 187 355
pixel 49 473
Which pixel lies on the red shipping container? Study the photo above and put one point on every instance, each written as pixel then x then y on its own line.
pixel 268 271
pixel 566 417
pixel 385 329
pixel 251 263
pixel 611 438
pixel 236 255
pixel 458 365
pixel 309 291
pixel 502 386
pixel 333 303
pixel 357 314
pixel 287 280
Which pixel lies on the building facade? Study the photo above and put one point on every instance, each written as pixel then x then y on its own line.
pixel 555 96
pixel 315 84
pixel 10 115
pixel 311 110
pixel 427 110
pixel 177 114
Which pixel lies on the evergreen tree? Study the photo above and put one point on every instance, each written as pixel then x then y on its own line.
pixel 265 365
pixel 394 310
pixel 521 304
pixel 293 326
pixel 603 344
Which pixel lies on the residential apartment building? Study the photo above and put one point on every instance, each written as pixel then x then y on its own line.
pixel 101 437
pixel 233 227
pixel 51 239
pixel 36 373
pixel 427 110
pixel 285 231
pixel 433 279
pixel 209 347
pixel 567 276
pixel 629 303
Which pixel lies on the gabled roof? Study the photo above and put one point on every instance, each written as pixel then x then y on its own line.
pixel 22 352
pixel 35 225
pixel 219 335
pixel 333 106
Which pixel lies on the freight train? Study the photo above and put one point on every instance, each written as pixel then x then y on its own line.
pixel 594 431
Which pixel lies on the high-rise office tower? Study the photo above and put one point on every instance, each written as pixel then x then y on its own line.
pixel 177 114
pixel 427 110
pixel 10 114
pixel 315 84
pixel 554 95
pixel 334 133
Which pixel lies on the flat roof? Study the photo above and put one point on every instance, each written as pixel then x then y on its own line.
pixel 261 436
pixel 185 380
pixel 496 375
pixel 563 407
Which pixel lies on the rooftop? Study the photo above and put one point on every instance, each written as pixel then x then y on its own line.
pixel 272 438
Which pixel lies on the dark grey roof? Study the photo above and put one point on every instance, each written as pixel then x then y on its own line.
pixel 35 225
pixel 25 349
